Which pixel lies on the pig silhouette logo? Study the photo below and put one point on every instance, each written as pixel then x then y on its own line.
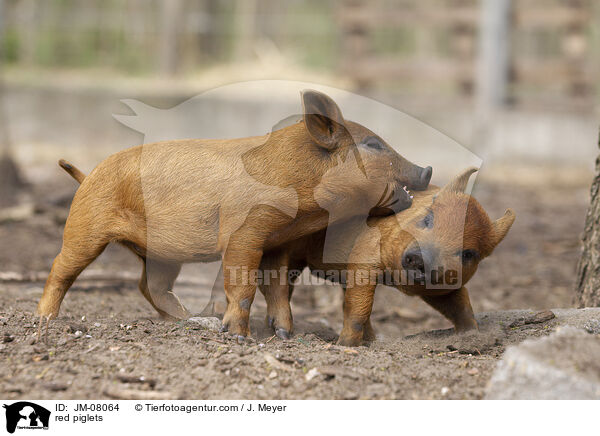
pixel 26 415
pixel 251 184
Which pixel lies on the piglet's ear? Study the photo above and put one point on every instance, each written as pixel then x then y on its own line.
pixel 323 119
pixel 502 225
pixel 460 182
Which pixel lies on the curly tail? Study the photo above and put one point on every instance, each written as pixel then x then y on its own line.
pixel 73 172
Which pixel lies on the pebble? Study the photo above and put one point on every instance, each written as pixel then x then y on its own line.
pixel 311 374
pixel 74 328
pixel 40 357
pixel 207 322
pixel 38 349
pixel 592 326
pixel 56 387
pixel 537 318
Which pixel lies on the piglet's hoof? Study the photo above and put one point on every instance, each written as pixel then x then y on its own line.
pixel 282 333
pixel 349 341
pixel 240 339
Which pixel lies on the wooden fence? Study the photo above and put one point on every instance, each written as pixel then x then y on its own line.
pixel 550 47
pixel 544 52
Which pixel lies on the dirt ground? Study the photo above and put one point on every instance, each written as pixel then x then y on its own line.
pixel 108 341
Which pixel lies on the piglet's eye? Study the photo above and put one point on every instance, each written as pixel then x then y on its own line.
pixel 427 222
pixel 469 255
pixel 374 144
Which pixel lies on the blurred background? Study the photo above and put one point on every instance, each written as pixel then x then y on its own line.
pixel 509 79
pixel 513 81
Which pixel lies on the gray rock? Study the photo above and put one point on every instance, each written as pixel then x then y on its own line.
pixel 206 322
pixel 562 366
pixel 587 318
pixel 592 326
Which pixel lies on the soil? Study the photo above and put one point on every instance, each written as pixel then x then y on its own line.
pixel 108 342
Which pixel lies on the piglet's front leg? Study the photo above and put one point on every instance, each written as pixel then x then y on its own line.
pixel 239 290
pixel 456 307
pixel 241 263
pixel 358 303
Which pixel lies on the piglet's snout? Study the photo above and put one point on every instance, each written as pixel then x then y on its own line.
pixel 425 177
pixel 418 179
pixel 413 260
pixel 417 259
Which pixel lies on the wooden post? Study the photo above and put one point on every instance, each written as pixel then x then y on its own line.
pixel 494 56
pixel 245 20
pixel 10 178
pixel 27 30
pixel 172 14
pixel 4 136
pixel 355 42
pixel 587 287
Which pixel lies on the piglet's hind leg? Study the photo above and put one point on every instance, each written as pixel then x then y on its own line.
pixel 75 256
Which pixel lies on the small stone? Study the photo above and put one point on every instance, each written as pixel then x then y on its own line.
pixel 537 318
pixel 331 371
pixel 445 390
pixel 473 371
pixel 74 328
pixel 56 387
pixel 311 374
pixel 40 357
pixel 7 338
pixel 273 374
pixel 206 322
pixel 544 316
pixel 592 326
